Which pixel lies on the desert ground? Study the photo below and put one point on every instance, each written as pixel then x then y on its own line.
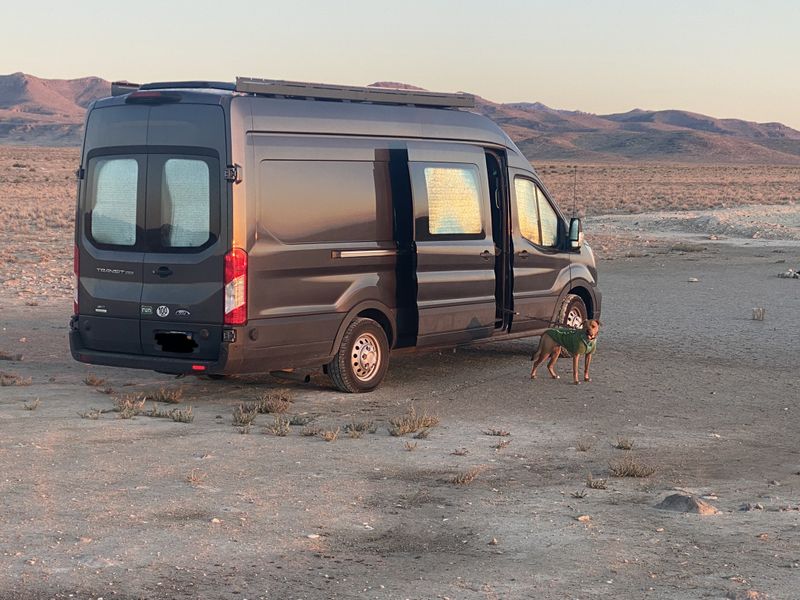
pixel 459 477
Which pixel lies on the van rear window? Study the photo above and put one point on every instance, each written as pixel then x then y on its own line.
pixel 185 203
pixel 114 189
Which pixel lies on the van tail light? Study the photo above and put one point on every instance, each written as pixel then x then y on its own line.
pixel 76 269
pixel 236 287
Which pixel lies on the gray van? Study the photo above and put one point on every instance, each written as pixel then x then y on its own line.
pixel 266 225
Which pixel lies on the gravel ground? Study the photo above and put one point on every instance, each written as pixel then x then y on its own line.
pixel 151 508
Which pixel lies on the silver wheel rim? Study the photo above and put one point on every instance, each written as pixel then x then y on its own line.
pixel 574 319
pixel 365 357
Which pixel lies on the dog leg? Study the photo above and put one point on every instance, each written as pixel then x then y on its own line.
pixel 551 366
pixel 575 360
pixel 539 358
pixel 586 362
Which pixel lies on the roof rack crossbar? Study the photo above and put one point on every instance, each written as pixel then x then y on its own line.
pixel 375 95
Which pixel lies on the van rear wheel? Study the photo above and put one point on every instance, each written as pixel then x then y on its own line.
pixel 362 359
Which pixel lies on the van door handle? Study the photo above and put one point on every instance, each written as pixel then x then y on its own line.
pixel 486 255
pixel 523 254
pixel 162 271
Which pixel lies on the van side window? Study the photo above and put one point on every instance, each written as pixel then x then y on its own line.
pixel 538 221
pixel 114 189
pixel 185 203
pixel 525 191
pixel 454 204
pixel 548 219
pixel 306 201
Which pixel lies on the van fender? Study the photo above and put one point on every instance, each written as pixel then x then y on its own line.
pixel 388 322
pixel 585 287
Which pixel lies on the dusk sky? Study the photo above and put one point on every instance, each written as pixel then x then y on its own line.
pixel 723 58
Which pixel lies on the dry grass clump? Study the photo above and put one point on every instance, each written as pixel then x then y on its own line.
pixel 93 380
pixel 501 444
pixel 460 452
pixel 300 420
pixel 159 413
pixel 411 446
pixel 497 432
pixel 595 484
pixel 10 356
pixel 11 379
pixel 359 427
pixel 310 431
pixel 623 443
pixel 330 435
pixel 279 426
pixel 93 414
pixel 583 445
pixel 628 466
pixel 579 494
pixel 687 247
pixel 166 395
pixel 196 477
pixel 129 405
pixel 245 414
pixel 182 416
pixel 411 422
pixel 468 476
pixel 32 405
pixel 105 390
pixel 274 402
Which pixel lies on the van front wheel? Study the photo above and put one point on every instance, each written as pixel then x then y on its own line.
pixel 362 359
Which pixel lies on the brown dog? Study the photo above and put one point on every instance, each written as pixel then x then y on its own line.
pixel 575 341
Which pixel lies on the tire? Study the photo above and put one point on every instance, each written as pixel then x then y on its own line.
pixel 363 357
pixel 572 313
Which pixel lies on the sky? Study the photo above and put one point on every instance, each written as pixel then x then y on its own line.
pixel 724 58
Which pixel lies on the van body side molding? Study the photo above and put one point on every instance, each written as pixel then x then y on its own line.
pixel 362 253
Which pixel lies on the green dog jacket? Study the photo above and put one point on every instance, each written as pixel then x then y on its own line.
pixel 573 340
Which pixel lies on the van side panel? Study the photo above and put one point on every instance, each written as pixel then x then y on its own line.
pixel 323 243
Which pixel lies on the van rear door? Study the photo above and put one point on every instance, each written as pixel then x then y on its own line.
pixel 110 245
pixel 182 300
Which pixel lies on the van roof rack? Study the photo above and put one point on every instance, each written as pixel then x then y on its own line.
pixel 375 95
pixel 119 88
pixel 194 85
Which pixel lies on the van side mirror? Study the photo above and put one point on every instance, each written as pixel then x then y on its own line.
pixel 575 233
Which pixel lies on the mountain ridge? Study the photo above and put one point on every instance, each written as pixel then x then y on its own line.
pixel 47 112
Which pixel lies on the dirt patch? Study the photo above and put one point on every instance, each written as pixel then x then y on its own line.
pixel 147 507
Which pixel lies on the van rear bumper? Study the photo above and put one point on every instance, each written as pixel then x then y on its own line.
pixel 164 364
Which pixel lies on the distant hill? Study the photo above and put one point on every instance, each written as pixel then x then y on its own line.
pixel 47 112
pixel 50 112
